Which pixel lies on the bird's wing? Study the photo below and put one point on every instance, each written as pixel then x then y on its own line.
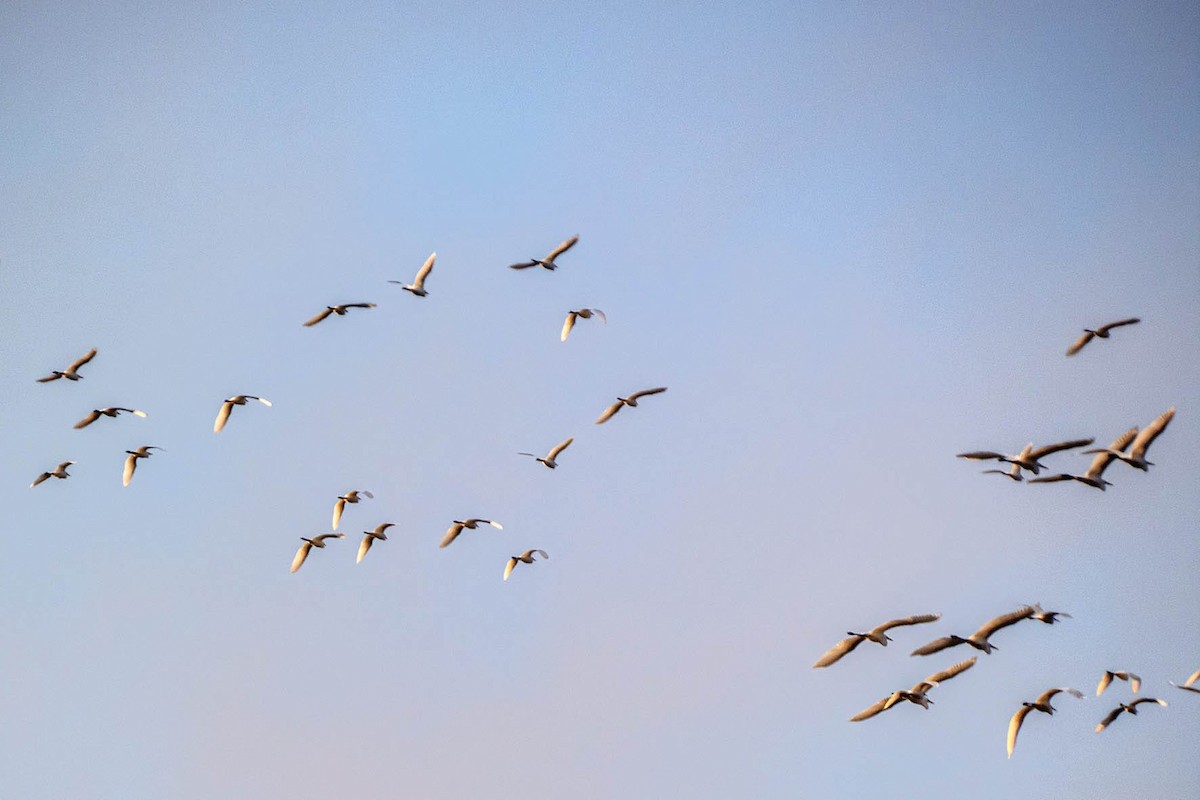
pixel 1141 700
pixel 325 536
pixel 1078 344
pixel 914 620
pixel 1003 621
pixel 1185 687
pixel 135 412
pixel 562 248
pixel 130 466
pixel 600 314
pixel 1135 682
pixel 366 494
pixel 647 392
pixel 222 416
pixel 79 362
pixel 1062 476
pixel 541 553
pixel 568 325
pixel 608 412
pixel 88 420
pixel 318 318
pixel 39 479
pixel 1054 448
pixel 364 547
pixel 51 377
pixel 1104 723
pixel 1150 433
pixel 424 271
pixel 559 448
pixel 950 672
pixel 871 710
pixel 1014 727
pixel 523 265
pixel 264 401
pixel 1111 325
pixel 1103 459
pixel 510 566
pixel 835 653
pixel 495 525
pixel 338 508
pixel 451 534
pixel 1195 676
pixel 379 531
pixel 301 554
pixel 359 305
pixel 937 645
pixel 982 455
pixel 1105 680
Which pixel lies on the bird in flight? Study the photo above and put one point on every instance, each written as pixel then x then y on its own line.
pixel 348 497
pixel 1136 457
pixel 309 544
pixel 1135 682
pixel 1187 685
pixel 630 401
pixel 1130 707
pixel 524 558
pixel 1101 332
pixel 417 287
pixel 1042 703
pixel 548 261
pixel 917 694
pixel 131 462
pixel 1093 476
pixel 59 472
pixel 978 639
pixel 1028 459
pixel 106 412
pixel 581 313
pixel 339 310
pixel 369 538
pixel 553 454
pixel 878 634
pixel 71 373
pixel 454 530
pixel 227 407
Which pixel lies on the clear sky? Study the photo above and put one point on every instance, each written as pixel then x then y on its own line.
pixel 853 240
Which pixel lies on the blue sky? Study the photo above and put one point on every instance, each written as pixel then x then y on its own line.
pixel 853 240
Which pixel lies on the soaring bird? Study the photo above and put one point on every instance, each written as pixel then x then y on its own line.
pixel 131 462
pixel 1101 332
pixel 106 412
pixel 1187 685
pixel 1028 458
pixel 348 497
pixel 548 261
pixel 339 310
pixel 978 639
pixel 454 530
pixel 1042 703
pixel 417 287
pixel 553 454
pixel 1135 683
pixel 1136 457
pixel 71 373
pixel 1130 707
pixel 369 538
pixel 916 694
pixel 524 558
pixel 227 406
pixel 582 313
pixel 878 634
pixel 309 544
pixel 1093 476
pixel 59 472
pixel 630 401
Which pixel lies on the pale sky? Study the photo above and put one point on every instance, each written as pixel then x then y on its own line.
pixel 853 239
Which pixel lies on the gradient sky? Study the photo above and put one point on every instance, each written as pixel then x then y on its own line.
pixel 853 240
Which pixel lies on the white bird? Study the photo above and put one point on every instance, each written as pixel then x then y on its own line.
pixel 131 462
pixel 582 313
pixel 71 373
pixel 1029 458
pixel 227 407
pixel 630 401
pixel 369 538
pixel 553 454
pixel 524 558
pixel 978 639
pixel 339 310
pixel 1042 703
pixel 1187 685
pixel 917 694
pixel 417 287
pixel 1093 476
pixel 1135 682
pixel 1101 332
pixel 348 497
pixel 106 412
pixel 548 261
pixel 59 472
pixel 1130 707
pixel 309 544
pixel 454 530
pixel 1136 457
pixel 878 634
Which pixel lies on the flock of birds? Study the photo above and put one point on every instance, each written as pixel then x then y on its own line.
pixel 320 541
pixel 1129 448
